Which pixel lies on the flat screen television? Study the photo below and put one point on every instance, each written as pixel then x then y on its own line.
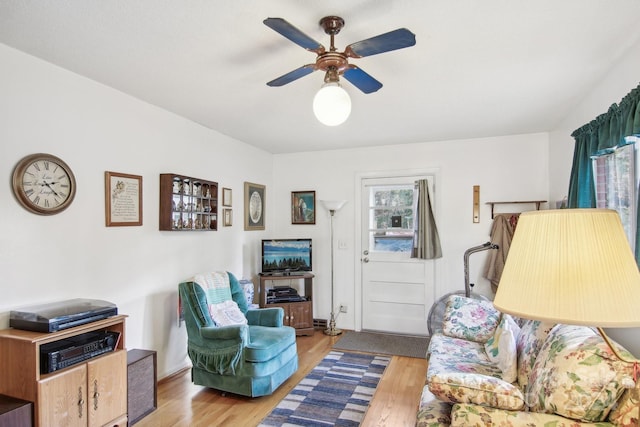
pixel 286 255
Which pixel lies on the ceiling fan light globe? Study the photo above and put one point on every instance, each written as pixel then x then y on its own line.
pixel 332 104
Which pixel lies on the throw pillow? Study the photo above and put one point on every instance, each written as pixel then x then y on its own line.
pixel 577 376
pixel 501 348
pixel 532 335
pixel 469 318
pixel 227 313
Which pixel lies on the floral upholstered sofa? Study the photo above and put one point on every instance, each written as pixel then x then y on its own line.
pixel 490 369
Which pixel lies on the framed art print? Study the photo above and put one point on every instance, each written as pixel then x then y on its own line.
pixel 254 206
pixel 303 207
pixel 227 217
pixel 123 199
pixel 226 197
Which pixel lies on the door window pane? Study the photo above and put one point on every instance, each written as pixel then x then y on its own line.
pixel 391 218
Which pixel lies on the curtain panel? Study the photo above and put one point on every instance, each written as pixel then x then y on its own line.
pixel 426 241
pixel 605 132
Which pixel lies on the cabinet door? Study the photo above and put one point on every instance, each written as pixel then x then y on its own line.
pixel 107 388
pixel 300 316
pixel 63 399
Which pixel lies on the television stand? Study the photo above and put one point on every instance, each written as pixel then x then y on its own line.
pixel 298 314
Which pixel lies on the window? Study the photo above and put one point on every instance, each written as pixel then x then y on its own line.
pixel 616 184
pixel 391 218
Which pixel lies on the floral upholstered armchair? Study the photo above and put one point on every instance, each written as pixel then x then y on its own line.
pixel 233 348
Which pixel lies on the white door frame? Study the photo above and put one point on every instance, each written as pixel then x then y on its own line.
pixel 433 171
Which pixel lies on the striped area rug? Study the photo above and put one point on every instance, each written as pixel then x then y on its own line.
pixel 337 392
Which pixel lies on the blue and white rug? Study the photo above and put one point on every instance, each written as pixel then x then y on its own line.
pixel 337 392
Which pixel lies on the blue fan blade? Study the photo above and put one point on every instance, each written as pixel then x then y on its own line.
pixel 393 40
pixel 361 80
pixel 293 75
pixel 292 33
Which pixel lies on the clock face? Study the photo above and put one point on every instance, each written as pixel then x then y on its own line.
pixel 44 184
pixel 255 207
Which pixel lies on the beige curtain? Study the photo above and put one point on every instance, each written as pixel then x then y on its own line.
pixel 426 241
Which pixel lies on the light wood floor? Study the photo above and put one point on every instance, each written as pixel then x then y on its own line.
pixel 180 403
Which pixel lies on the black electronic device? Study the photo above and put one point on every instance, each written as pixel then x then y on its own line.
pixel 283 294
pixel 286 257
pixel 61 315
pixel 70 351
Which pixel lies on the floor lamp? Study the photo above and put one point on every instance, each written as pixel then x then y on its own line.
pixel 572 266
pixel 332 206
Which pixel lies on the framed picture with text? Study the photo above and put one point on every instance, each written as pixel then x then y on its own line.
pixel 123 199
pixel 227 197
pixel 254 206
pixel 303 207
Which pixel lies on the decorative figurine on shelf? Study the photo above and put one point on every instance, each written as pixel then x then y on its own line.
pixel 177 187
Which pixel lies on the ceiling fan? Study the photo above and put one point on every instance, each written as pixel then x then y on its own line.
pixel 335 63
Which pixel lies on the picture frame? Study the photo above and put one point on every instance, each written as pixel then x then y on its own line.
pixel 303 207
pixel 227 217
pixel 123 199
pixel 227 197
pixel 254 206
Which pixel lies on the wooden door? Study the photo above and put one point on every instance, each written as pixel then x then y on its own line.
pixel 107 388
pixel 397 290
pixel 63 399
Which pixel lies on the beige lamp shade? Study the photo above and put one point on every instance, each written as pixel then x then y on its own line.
pixel 571 266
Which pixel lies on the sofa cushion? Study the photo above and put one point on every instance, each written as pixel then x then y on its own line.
pixel 626 412
pixel 456 349
pixel 462 386
pixel 501 348
pixel 469 318
pixel 431 411
pixel 465 415
pixel 532 335
pixel 576 375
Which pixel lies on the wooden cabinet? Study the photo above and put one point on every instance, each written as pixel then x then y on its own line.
pixel 187 203
pixel 298 315
pixel 90 393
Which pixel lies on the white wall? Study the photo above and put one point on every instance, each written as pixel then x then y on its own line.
pixel 96 129
pixel 613 87
pixel 73 255
pixel 506 168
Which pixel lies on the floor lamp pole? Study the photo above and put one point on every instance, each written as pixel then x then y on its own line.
pixel 332 330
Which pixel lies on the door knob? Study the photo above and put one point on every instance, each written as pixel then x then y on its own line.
pixel 365 260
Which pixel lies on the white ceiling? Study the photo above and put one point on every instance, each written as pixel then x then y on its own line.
pixel 479 67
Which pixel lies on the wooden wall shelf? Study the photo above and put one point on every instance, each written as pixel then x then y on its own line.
pixel 536 202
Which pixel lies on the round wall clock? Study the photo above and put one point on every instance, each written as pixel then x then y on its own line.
pixel 44 184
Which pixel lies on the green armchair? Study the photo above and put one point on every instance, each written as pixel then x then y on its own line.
pixel 251 359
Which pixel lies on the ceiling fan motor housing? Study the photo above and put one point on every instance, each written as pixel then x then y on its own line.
pixel 332 24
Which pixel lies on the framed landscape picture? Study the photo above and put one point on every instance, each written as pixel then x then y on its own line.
pixel 303 207
pixel 254 206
